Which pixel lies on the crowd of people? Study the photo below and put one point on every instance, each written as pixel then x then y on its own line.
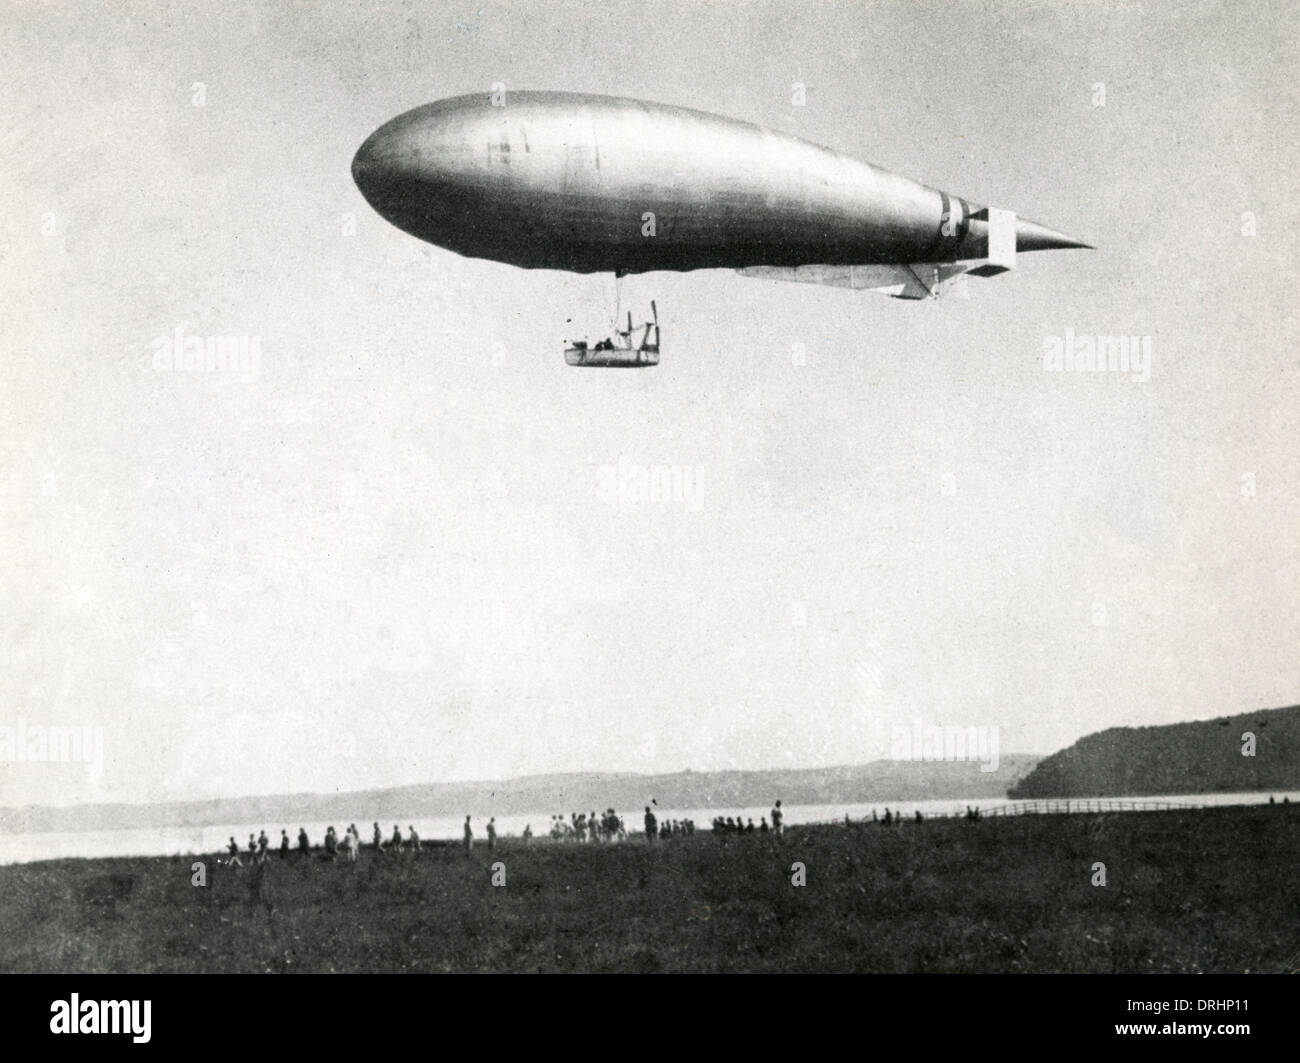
pixel 738 825
pixel 335 848
pixel 580 828
pixel 584 827
pixel 891 819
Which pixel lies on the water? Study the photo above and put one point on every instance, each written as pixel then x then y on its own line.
pixel 169 841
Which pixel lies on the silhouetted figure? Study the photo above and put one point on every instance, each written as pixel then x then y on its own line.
pixel 874 817
pixel 918 815
pixel 749 827
pixel 304 845
pixel 331 844
pixel 492 833
pixel 396 843
pixel 284 844
pixel 528 833
pixel 762 825
pixel 469 836
pixel 651 824
pixel 778 820
pixel 234 853
pixel 888 817
pixel 415 839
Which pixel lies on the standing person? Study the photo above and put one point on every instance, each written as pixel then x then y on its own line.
pixel 234 853
pixel 331 844
pixel 415 839
pixel 304 845
pixel 263 843
pixel 469 836
pixel 528 833
pixel 252 849
pixel 396 843
pixel 379 838
pixel 778 827
pixel 284 844
pixel 492 833
pixel 651 825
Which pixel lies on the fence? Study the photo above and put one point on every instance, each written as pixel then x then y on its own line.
pixel 1063 806
pixel 1053 806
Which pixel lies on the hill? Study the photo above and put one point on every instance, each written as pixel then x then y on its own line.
pixel 884 780
pixel 1204 756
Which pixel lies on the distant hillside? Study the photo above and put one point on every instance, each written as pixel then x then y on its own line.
pixel 881 781
pixel 1178 758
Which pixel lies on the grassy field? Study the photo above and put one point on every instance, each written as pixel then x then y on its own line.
pixel 1212 890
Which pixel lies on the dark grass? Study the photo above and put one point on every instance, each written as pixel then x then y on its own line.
pixel 1206 891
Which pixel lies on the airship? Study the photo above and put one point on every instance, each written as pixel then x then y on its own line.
pixel 592 184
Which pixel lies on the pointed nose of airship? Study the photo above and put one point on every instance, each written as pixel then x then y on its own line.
pixel 371 168
pixel 1030 236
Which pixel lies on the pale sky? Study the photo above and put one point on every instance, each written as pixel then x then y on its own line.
pixel 387 558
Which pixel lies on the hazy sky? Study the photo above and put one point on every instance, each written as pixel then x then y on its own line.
pixel 386 557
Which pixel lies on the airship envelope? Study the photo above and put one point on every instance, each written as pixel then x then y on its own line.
pixel 558 180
